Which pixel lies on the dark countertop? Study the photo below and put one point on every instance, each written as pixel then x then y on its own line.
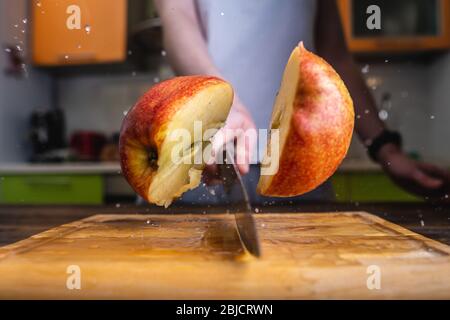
pixel 20 222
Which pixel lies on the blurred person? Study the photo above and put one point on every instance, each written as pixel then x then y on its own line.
pixel 248 44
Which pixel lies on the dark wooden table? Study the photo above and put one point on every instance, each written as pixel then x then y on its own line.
pixel 20 222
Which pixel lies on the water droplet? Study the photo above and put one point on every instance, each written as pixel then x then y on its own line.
pixel 156 80
pixel 358 116
pixel 367 111
pixel 365 69
pixel 383 115
pixel 38 3
pixel 446 196
pixel 422 223
pixel 263 225
pixel 7 50
pixel 148 221
pixel 125 112
pixel 23 31
pixel 222 14
pixel 66 57
pixel 19 47
pixel 432 117
pixel 133 74
pixel 163 53
pixel 25 20
pixel 256 210
pixel 87 28
pixel 117 205
pixel 213 192
pixel 130 52
pixel 386 61
pixel 79 46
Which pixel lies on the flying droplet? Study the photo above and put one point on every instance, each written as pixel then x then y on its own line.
pixel 25 21
pixel 365 69
pixel 383 115
pixel 66 57
pixel 163 53
pixel 87 28
pixel 125 112
pixel 222 14
pixel 155 79
pixel 8 50
pixel 432 117
pixel 38 3
pixel 117 205
pixel 133 74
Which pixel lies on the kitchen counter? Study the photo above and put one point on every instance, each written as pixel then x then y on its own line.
pixel 114 167
pixel 66 168
pixel 20 222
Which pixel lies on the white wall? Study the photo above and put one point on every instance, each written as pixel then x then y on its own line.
pixel 18 96
pixel 98 102
pixel 409 86
pixel 439 82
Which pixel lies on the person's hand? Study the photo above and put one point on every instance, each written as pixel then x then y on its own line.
pixel 420 178
pixel 239 131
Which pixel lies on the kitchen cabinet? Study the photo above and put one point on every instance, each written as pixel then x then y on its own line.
pixel 356 186
pixel 51 189
pixel 404 25
pixel 74 32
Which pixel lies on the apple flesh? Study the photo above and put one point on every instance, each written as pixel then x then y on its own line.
pixel 145 146
pixel 314 114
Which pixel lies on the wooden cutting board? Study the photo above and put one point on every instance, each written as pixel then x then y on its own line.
pixel 326 255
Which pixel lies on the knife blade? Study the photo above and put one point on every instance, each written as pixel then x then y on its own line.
pixel 239 203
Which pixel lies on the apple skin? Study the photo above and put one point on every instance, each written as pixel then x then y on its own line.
pixel 145 127
pixel 320 130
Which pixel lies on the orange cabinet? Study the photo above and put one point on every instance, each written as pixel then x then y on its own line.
pixel 75 32
pixel 404 25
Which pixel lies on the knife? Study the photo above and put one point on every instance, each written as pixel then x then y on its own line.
pixel 238 201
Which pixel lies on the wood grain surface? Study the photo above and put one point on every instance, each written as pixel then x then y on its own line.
pixel 195 256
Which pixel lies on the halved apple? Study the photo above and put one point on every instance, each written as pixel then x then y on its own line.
pixel 314 114
pixel 147 145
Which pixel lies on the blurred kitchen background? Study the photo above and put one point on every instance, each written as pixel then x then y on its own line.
pixel 64 93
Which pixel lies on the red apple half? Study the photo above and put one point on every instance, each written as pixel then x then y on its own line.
pixel 146 151
pixel 314 114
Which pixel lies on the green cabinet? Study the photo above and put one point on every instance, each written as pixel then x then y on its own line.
pixel 51 189
pixel 368 187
